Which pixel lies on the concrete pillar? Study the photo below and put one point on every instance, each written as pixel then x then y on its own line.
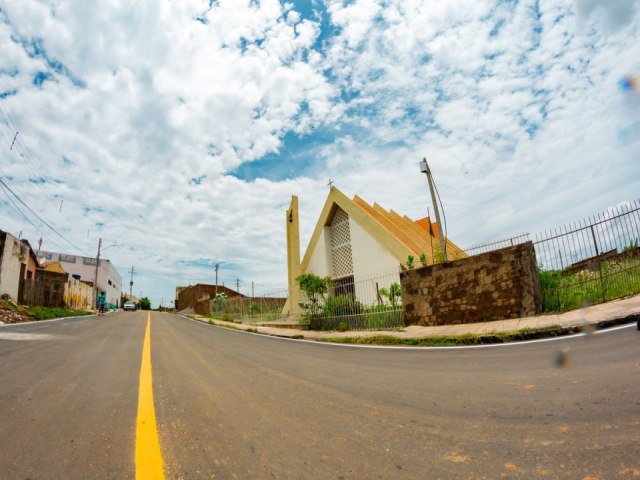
pixel 293 258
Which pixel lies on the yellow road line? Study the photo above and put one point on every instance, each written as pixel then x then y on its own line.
pixel 148 456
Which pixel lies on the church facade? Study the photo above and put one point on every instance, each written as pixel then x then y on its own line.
pixel 354 243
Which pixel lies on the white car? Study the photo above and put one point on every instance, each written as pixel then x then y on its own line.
pixel 129 306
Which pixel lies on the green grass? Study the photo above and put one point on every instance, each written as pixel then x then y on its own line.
pixel 562 291
pixel 47 313
pixel 453 340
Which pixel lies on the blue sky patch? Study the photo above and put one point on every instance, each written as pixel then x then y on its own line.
pixel 295 159
pixel 41 77
pixel 197 180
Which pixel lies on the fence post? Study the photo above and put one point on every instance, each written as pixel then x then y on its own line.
pixel 595 243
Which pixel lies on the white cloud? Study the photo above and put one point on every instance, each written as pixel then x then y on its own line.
pixel 153 104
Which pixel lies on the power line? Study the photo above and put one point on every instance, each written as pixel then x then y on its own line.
pixel 40 218
pixel 31 165
pixel 18 209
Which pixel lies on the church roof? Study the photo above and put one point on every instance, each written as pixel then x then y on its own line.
pixel 400 235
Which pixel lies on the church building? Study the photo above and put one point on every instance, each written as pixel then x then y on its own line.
pixel 354 242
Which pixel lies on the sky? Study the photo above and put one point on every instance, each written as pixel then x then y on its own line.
pixel 177 131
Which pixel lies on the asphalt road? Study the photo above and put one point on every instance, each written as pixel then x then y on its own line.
pixel 234 405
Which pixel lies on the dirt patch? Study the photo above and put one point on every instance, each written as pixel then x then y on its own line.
pixel 8 315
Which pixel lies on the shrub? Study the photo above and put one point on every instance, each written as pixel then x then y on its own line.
pixel 315 288
pixel 341 305
pixel 343 327
pixel 410 259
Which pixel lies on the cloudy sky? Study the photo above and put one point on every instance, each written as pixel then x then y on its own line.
pixel 178 130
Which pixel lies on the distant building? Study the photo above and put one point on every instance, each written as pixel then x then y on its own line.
pixel 198 297
pixel 84 269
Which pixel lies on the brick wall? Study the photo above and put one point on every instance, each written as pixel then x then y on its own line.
pixel 198 296
pixel 492 286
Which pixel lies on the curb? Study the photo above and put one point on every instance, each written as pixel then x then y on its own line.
pixel 481 339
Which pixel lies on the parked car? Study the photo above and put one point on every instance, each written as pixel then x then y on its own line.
pixel 129 306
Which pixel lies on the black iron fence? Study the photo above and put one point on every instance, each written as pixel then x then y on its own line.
pixel 366 304
pixel 590 261
pixel 496 244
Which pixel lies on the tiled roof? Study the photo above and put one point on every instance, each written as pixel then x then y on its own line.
pixel 418 237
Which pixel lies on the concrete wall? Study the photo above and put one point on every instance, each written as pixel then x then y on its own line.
pixel 78 295
pixel 491 286
pixel 320 261
pixel 9 266
pixel 371 263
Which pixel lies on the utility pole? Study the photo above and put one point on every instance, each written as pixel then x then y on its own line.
pixel 131 284
pixel 95 277
pixel 238 285
pixel 216 267
pixel 252 294
pixel 424 168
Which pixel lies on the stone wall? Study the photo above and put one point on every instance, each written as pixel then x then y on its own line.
pixel 491 286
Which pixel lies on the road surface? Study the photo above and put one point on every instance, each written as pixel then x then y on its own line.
pixel 234 405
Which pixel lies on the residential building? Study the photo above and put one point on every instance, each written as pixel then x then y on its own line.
pixel 198 297
pixel 84 269
pixel 17 263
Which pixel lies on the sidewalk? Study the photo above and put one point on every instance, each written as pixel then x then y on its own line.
pixel 593 317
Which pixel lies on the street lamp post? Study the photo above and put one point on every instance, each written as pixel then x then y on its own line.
pixel 424 168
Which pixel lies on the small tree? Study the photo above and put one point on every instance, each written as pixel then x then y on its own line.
pixel 393 293
pixel 144 303
pixel 220 303
pixel 315 288
pixel 423 259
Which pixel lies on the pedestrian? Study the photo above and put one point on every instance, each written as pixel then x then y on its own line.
pixel 101 302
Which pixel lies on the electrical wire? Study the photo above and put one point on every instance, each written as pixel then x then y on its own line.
pixel 31 164
pixel 15 206
pixel 40 218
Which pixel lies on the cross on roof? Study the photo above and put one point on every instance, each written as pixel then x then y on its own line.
pixel 330 184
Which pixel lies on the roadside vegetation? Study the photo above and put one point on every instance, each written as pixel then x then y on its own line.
pixel 13 313
pixel 342 312
pixel 563 291
pixel 453 340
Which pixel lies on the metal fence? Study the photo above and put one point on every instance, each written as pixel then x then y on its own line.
pixel 495 245
pixel 357 304
pixel 258 309
pixel 591 261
